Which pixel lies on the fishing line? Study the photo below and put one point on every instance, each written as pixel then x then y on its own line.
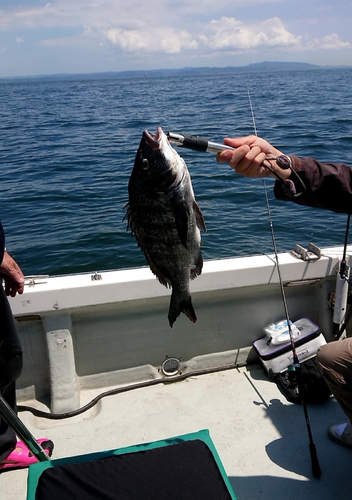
pixel 296 365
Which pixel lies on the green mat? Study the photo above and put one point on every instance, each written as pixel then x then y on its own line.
pixel 212 475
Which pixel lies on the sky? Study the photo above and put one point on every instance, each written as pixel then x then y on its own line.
pixel 88 36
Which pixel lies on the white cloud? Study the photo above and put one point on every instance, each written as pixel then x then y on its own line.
pixel 167 27
pixel 229 34
pixel 165 40
pixel 95 13
pixel 19 39
pixel 226 34
pixel 232 35
pixel 31 18
pixel 276 35
pixel 329 42
pixel 85 39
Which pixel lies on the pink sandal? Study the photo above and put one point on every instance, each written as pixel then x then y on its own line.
pixel 24 457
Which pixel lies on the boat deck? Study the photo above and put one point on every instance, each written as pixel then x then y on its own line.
pixel 261 438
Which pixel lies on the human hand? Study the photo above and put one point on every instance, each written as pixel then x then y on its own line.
pixel 249 156
pixel 12 275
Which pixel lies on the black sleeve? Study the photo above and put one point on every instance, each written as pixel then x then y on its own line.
pixel 2 242
pixel 327 185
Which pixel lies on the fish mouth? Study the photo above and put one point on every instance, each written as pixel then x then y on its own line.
pixel 153 140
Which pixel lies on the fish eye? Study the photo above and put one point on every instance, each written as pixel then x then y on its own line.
pixel 145 164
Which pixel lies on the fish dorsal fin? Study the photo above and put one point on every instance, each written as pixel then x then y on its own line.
pixel 199 217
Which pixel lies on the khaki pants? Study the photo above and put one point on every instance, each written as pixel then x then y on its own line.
pixel 335 363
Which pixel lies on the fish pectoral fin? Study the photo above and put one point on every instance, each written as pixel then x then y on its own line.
pixel 196 270
pixel 181 214
pixel 127 214
pixel 199 217
pixel 156 270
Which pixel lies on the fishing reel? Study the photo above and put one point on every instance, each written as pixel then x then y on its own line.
pixel 294 187
pixel 289 380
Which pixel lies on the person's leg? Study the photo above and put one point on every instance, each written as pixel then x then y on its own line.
pixel 13 453
pixel 10 370
pixel 335 363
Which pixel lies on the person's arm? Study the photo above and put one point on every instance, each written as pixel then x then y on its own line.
pixel 327 185
pixel 12 275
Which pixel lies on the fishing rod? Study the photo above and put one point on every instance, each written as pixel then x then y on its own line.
pixel 296 368
pixel 12 420
pixel 201 144
pixel 340 319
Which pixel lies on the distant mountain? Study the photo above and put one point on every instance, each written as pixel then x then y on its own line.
pixel 254 67
pixel 265 66
pixel 279 66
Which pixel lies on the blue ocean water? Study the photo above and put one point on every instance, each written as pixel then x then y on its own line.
pixel 67 148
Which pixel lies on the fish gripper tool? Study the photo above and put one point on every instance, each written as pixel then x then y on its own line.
pixel 196 143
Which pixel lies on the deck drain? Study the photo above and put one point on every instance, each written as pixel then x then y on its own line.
pixel 170 367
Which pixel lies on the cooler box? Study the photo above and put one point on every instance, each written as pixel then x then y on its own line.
pixel 277 358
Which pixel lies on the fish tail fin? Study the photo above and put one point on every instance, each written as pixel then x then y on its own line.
pixel 177 306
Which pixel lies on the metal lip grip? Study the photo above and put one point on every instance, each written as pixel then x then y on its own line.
pixel 196 143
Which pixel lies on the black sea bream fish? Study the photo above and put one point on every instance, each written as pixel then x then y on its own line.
pixel 165 219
